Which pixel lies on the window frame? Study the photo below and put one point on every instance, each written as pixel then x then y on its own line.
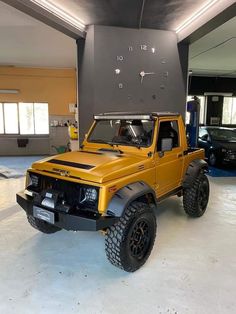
pixel 4 134
pixel 233 103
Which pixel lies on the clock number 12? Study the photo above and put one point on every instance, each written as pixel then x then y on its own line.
pixel 144 47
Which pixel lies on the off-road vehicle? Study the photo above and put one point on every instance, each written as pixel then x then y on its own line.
pixel 127 164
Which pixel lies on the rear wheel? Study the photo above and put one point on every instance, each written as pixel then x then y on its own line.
pixel 41 225
pixel 129 242
pixel 195 198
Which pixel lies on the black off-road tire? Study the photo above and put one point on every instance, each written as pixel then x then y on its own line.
pixel 129 242
pixel 195 198
pixel 41 225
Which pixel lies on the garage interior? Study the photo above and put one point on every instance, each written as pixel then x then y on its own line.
pixel 61 62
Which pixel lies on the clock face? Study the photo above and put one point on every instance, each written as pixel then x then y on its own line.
pixel 140 66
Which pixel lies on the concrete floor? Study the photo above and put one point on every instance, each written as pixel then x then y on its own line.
pixel 191 270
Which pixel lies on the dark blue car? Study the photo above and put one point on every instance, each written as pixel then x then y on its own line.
pixel 219 144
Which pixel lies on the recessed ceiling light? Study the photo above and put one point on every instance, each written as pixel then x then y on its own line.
pixel 193 17
pixel 60 13
pixel 9 91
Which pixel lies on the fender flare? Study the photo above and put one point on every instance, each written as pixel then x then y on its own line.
pixel 194 168
pixel 126 195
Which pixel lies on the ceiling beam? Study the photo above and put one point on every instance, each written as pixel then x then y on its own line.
pixel 46 17
pixel 213 23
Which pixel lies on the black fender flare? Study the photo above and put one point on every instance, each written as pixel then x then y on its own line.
pixel 126 195
pixel 195 167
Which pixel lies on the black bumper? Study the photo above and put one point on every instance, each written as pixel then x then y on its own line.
pixel 67 221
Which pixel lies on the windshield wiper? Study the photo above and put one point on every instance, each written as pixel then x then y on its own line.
pixel 127 144
pixel 108 143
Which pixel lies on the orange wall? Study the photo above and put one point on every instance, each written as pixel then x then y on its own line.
pixel 57 87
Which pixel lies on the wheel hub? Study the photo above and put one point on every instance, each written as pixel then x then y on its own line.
pixel 139 239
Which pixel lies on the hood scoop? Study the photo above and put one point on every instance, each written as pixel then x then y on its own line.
pixel 70 164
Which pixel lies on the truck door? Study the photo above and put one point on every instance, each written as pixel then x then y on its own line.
pixel 169 164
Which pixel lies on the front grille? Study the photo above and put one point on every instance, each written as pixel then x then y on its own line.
pixel 231 155
pixel 71 191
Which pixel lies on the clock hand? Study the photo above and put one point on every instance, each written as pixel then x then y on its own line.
pixel 149 73
pixel 142 74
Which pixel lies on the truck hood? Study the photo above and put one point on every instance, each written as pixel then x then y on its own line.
pixel 93 166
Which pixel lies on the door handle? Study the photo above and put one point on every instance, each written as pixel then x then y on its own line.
pixel 180 155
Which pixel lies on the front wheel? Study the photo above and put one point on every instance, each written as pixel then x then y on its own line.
pixel 195 198
pixel 129 242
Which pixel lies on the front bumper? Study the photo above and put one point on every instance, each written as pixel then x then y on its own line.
pixel 67 221
pixel 230 158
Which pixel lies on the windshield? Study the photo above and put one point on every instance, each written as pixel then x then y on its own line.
pixel 222 134
pixel 123 132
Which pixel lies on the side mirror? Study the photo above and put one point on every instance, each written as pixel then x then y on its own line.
pixel 166 144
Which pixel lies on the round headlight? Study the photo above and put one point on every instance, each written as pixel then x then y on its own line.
pixel 91 194
pixel 34 180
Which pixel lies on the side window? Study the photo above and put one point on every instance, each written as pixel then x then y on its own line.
pixel 168 129
pixel 203 132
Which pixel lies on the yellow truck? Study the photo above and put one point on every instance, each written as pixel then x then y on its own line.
pixel 127 164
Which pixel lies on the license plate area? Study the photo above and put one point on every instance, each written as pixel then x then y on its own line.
pixel 43 214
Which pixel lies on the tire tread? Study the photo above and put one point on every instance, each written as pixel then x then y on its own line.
pixel 41 225
pixel 117 233
pixel 190 198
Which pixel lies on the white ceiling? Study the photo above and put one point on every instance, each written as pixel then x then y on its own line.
pixel 215 53
pixel 28 42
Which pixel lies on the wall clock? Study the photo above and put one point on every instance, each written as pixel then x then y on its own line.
pixel 140 66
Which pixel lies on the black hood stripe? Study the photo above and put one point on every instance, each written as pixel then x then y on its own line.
pixel 70 164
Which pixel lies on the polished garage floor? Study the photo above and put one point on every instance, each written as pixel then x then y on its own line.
pixel 192 268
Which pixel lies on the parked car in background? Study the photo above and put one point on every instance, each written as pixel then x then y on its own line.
pixel 219 144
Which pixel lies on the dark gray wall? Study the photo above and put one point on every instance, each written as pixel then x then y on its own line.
pixel 99 89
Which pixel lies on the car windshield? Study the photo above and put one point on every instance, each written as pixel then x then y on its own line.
pixel 123 132
pixel 222 134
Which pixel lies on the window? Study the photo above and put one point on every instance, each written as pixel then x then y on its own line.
pixel 131 132
pixel 202 109
pixel 1 119
pixel 203 134
pixel 24 118
pixel 229 110
pixel 26 115
pixel 10 118
pixel 168 129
